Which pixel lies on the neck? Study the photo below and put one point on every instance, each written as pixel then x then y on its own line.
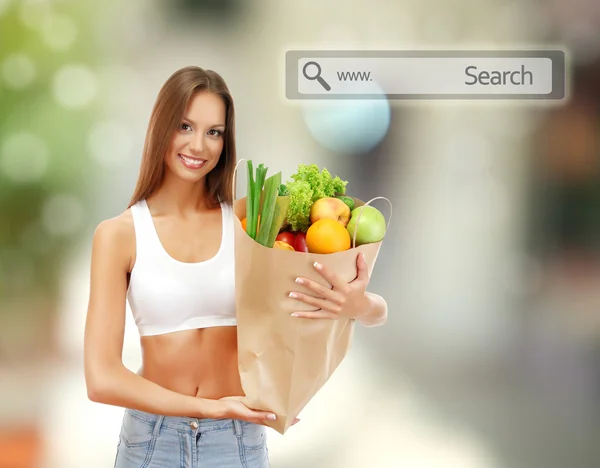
pixel 180 197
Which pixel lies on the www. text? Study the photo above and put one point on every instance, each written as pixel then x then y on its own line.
pixel 354 76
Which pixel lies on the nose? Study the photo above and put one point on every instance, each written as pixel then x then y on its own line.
pixel 197 143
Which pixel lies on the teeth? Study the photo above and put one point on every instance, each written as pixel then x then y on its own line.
pixel 194 162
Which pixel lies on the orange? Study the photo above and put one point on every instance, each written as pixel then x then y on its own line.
pixel 245 221
pixel 327 236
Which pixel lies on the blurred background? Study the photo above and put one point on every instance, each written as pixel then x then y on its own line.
pixel 491 354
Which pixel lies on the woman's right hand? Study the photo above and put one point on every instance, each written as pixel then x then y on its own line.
pixel 233 408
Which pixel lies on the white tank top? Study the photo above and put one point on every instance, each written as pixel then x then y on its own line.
pixel 166 295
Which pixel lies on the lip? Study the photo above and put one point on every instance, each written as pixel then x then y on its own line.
pixel 198 165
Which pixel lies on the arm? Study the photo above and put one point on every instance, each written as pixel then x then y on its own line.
pixel 375 312
pixel 108 380
pixel 350 300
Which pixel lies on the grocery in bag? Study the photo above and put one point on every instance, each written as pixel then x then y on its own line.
pixel 283 360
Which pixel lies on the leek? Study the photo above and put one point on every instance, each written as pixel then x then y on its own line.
pixel 255 185
pixel 281 208
pixel 268 209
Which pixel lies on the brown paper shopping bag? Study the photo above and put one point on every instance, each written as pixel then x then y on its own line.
pixel 283 361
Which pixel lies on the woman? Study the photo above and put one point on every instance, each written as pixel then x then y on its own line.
pixel 170 254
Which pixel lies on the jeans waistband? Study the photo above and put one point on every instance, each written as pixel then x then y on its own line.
pixel 184 422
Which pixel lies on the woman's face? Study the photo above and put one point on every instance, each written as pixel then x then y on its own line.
pixel 198 140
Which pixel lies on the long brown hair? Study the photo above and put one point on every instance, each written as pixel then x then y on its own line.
pixel 167 113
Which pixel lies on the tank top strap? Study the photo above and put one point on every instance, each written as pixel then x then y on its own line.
pixel 145 232
pixel 228 214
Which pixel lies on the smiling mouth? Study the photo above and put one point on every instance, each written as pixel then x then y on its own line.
pixel 191 163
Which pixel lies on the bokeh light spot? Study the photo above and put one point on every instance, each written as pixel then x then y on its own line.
pixel 18 70
pixel 350 126
pixel 33 12
pixel 74 86
pixel 59 32
pixel 24 157
pixel 4 6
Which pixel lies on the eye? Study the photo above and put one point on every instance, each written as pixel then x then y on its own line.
pixel 215 132
pixel 185 126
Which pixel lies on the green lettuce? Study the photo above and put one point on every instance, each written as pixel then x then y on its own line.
pixel 307 186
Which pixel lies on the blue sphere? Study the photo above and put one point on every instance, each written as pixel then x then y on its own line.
pixel 348 126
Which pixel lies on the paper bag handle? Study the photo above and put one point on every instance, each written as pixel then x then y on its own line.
pixel 233 182
pixel 234 187
pixel 361 212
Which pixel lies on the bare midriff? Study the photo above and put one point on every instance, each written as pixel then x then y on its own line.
pixel 201 363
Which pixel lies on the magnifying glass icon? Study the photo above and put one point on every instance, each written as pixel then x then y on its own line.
pixel 315 76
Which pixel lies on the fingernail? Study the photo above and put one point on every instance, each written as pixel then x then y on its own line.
pixel 363 256
pixel 293 295
pixel 299 281
pixel 318 266
pixel 272 417
pixel 295 314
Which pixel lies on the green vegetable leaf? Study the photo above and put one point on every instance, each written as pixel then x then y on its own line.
pixel 283 191
pixel 267 211
pixel 281 208
pixel 298 215
pixel 253 205
pixel 307 186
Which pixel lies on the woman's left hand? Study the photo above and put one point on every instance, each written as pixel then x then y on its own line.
pixel 343 299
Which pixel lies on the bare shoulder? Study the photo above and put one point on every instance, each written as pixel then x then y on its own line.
pixel 116 236
pixel 116 230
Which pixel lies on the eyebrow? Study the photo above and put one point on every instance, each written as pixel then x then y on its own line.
pixel 212 126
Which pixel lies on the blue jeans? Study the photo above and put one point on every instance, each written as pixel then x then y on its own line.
pixel 153 441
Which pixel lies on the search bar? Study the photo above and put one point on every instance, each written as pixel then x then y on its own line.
pixel 426 75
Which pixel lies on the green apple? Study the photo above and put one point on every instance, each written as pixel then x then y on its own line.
pixel 371 227
pixel 347 200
